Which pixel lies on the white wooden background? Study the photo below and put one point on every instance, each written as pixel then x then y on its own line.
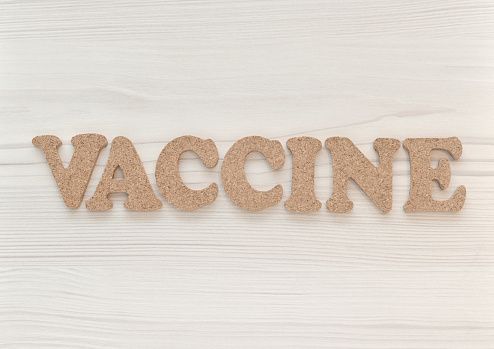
pixel 221 277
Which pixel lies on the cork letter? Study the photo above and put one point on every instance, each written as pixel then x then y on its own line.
pixel 349 162
pixel 136 183
pixel 73 180
pixel 303 197
pixel 233 174
pixel 422 175
pixel 168 178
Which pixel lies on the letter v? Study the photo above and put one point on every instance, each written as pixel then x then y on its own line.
pixel 73 180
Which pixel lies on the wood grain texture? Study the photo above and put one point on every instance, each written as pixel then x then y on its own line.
pixel 221 277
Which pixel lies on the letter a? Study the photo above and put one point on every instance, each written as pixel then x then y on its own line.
pixel 136 183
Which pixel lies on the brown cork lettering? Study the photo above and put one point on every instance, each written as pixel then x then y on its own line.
pixel 422 175
pixel 233 176
pixel 303 197
pixel 135 184
pixel 168 178
pixel 349 162
pixel 73 180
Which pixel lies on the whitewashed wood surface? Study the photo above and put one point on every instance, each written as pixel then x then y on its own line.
pixel 221 277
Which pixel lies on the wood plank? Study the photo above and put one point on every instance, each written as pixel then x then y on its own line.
pixel 221 277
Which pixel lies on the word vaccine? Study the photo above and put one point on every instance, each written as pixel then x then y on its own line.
pixel 348 163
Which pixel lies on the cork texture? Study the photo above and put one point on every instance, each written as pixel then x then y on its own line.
pixel 168 178
pixel 136 183
pixel 233 176
pixel 349 162
pixel 303 197
pixel 73 180
pixel 422 174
